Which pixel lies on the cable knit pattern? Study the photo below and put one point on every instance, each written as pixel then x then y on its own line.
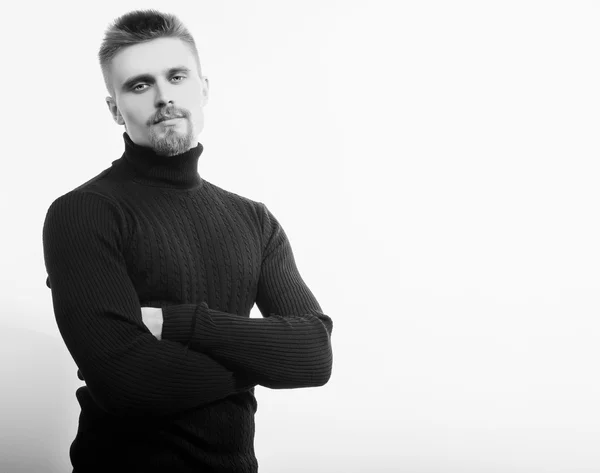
pixel 149 231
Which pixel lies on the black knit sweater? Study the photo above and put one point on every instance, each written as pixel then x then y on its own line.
pixel 149 231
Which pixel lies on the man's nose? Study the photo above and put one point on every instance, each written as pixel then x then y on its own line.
pixel 163 96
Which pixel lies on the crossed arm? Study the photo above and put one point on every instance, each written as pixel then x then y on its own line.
pixel 248 345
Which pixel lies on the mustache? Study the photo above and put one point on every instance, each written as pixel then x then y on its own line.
pixel 170 113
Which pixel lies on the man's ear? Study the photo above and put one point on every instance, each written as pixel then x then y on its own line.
pixel 204 90
pixel 112 106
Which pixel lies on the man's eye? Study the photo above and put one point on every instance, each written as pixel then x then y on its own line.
pixel 142 87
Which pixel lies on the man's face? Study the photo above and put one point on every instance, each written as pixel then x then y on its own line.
pixel 154 80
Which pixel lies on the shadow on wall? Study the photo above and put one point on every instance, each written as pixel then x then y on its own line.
pixel 38 407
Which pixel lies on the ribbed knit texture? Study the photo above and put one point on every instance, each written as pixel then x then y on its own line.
pixel 149 231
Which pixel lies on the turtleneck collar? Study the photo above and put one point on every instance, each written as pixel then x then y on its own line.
pixel 179 171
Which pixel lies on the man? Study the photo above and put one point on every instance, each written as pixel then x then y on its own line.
pixel 154 272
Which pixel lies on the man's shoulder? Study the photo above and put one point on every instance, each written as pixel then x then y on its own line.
pixel 96 185
pixel 105 183
pixel 229 196
pixel 94 182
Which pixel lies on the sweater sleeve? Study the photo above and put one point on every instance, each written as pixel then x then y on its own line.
pixel 290 347
pixel 127 370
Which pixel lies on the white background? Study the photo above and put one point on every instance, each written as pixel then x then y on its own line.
pixel 435 165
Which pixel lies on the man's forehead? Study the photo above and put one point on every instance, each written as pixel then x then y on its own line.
pixel 152 57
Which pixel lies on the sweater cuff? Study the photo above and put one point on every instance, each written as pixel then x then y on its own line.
pixel 178 321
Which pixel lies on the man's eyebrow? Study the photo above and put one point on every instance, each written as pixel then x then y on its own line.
pixel 149 78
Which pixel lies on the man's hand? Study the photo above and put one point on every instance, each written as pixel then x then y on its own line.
pixel 153 319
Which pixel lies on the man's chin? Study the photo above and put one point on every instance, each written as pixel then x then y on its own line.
pixel 171 142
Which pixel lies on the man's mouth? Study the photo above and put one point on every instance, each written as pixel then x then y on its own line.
pixel 166 118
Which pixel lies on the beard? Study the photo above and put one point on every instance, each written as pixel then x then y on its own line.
pixel 171 141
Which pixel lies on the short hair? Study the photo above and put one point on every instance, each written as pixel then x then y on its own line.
pixel 140 26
